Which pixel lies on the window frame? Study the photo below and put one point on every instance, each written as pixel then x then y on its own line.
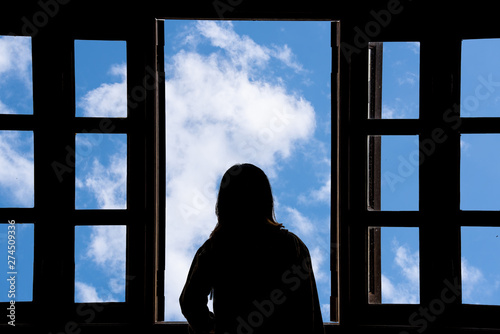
pixel 334 202
pixel 55 125
pixel 439 218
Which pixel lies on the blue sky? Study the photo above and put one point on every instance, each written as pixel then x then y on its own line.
pixel 248 92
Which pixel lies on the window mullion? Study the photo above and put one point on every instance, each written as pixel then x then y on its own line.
pixel 439 168
pixel 54 193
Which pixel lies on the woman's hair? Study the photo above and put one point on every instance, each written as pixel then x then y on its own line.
pixel 245 199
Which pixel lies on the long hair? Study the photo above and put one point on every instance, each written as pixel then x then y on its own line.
pixel 245 199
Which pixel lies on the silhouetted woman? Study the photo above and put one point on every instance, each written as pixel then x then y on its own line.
pixel 260 274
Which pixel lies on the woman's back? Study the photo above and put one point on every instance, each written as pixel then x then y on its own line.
pixel 262 282
pixel 260 274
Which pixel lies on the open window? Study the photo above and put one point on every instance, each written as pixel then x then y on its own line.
pixel 247 91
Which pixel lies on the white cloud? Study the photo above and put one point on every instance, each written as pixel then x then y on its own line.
pixel 397 293
pixel 389 112
pixel 317 260
pixel 408 78
pixel 107 248
pixel 86 293
pixel 221 111
pixel 405 290
pixel 108 184
pixel 109 99
pixel 16 168
pixel 15 59
pixel 407 262
pixel 323 194
pixel 414 46
pixel 464 146
pixel 319 195
pixel 472 279
pixel 298 222
pixel 244 53
pixel 4 109
pixel 285 54
pixel 325 310
pixel 15 68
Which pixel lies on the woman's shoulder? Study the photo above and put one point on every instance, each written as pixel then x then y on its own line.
pixel 295 242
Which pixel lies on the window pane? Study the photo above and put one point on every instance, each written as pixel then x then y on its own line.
pixel 16 80
pixel 400 267
pixel 101 78
pixel 480 263
pixel 393 173
pixel 16 169
pixel 255 92
pixel 398 79
pixel 480 78
pixel 17 245
pixel 101 171
pixel 100 262
pixel 479 177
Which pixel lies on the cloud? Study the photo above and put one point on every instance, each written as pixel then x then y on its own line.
pixel 109 99
pixel 398 109
pixel 319 195
pixel 16 168
pixel 15 75
pixel 108 184
pixel 407 262
pixel 101 164
pixel 15 59
pixel 85 293
pixel 221 110
pixel 408 78
pixel 414 46
pixel 397 293
pixel 298 222
pixel 406 289
pixel 472 279
pixel 4 109
pixel 285 54
pixel 107 247
pixel 465 146
pixel 107 251
pixel 243 52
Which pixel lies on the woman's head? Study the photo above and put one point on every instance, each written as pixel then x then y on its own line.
pixel 245 197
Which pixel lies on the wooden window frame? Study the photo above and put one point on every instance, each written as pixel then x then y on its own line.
pixel 439 217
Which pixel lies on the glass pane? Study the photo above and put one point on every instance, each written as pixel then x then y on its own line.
pixel 400 265
pixel 17 169
pixel 101 78
pixel 100 262
pixel 479 177
pixel 398 79
pixel 393 173
pixel 255 92
pixel 17 249
pixel 101 171
pixel 16 79
pixel 480 265
pixel 480 78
